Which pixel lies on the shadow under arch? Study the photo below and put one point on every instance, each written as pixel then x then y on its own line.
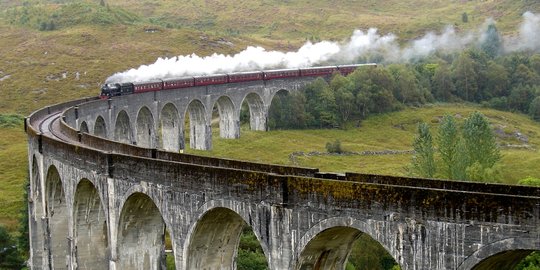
pixel 199 128
pixel 35 208
pixel 170 129
pixel 57 216
pixel 503 254
pixel 214 239
pixel 90 227
pixel 145 128
pixel 84 127
pixel 328 244
pixel 141 233
pixel 257 111
pixel 100 129
pixel 122 128
pixel 228 118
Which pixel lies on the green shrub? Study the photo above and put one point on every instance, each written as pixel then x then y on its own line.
pixel 334 147
pixel 10 120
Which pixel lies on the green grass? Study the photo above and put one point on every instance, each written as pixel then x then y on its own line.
pixel 13 173
pixel 392 131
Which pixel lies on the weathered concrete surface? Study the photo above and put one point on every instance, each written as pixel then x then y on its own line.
pixel 122 201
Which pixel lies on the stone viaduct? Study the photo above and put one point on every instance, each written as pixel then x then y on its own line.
pixel 107 183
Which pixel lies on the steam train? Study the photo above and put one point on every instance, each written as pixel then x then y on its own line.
pixel 120 89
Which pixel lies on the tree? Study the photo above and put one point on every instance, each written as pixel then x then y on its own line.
pixel 448 142
pixel 465 17
pixel 497 80
pixel 491 44
pixel 344 103
pixel 525 76
pixel 520 98
pixel 9 255
pixel 406 87
pixel 442 84
pixel 423 162
pixel 534 109
pixel 479 140
pixel 465 77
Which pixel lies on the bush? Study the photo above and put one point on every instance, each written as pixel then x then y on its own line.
pixel 334 147
pixel 9 255
pixel 530 181
pixel 10 120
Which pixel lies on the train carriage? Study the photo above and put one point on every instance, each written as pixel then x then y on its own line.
pixel 318 71
pixel 148 86
pixel 209 80
pixel 178 83
pixel 281 73
pixel 245 76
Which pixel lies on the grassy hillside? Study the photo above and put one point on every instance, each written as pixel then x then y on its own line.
pixel 392 131
pixel 57 50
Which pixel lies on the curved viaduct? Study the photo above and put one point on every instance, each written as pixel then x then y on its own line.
pixel 107 182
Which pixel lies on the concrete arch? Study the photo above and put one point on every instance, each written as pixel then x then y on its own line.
pixel 327 245
pixel 213 240
pixel 58 216
pixel 257 111
pixel 100 128
pixel 141 231
pixel 90 228
pixel 84 127
pixel 229 120
pixel 122 128
pixel 503 254
pixel 200 136
pixel 170 129
pixel 145 128
pixel 278 92
pixel 35 208
pixel 276 114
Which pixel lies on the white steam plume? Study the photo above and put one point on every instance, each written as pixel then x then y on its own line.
pixel 529 35
pixel 361 44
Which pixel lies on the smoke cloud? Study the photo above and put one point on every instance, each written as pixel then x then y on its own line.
pixel 361 45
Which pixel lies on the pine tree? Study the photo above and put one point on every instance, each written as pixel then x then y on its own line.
pixel 479 140
pixel 492 43
pixel 423 162
pixel 448 142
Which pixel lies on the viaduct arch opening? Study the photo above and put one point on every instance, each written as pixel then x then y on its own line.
pixel 90 228
pixel 329 249
pixel 100 129
pixel 84 127
pixel 122 128
pixel 337 243
pixel 57 214
pixel 278 116
pixel 170 129
pixel 228 123
pixel 141 235
pixel 145 128
pixel 214 241
pixel 199 133
pixel 35 206
pixel 257 112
